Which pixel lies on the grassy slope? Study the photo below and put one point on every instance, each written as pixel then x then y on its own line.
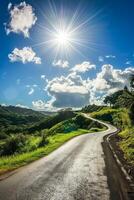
pixel 56 135
pixel 121 119
pixel 55 141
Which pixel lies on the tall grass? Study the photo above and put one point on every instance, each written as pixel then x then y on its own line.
pixel 8 163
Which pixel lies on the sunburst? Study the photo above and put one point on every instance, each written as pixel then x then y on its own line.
pixel 65 34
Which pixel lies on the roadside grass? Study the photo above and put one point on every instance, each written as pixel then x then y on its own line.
pixel 127 144
pixel 8 163
pixel 121 119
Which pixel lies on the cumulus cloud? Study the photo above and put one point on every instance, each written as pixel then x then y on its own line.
pixel 24 55
pixel 22 18
pixel 61 63
pixel 74 91
pixel 69 91
pixel 38 105
pixel 110 80
pixel 83 67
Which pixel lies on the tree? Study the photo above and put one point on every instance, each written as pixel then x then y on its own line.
pixel 113 98
pixel 132 82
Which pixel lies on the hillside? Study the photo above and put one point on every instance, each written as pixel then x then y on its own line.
pixel 92 108
pixel 11 115
pixel 120 118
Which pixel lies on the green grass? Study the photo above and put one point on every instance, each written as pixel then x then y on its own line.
pixel 121 119
pixel 127 144
pixel 12 162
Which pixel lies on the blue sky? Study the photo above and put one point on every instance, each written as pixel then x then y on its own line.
pixel 95 53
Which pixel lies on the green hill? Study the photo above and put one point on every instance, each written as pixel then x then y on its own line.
pixel 120 118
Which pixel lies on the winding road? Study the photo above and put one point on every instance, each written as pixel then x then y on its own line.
pixel 75 171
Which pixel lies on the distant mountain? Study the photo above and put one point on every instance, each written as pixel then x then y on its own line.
pixel 11 116
pixel 19 111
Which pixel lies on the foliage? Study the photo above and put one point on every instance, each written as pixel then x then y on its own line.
pixel 113 98
pixel 51 121
pixel 91 108
pixel 121 119
pixel 55 141
pixel 14 119
pixel 78 122
pixel 13 145
pixel 127 144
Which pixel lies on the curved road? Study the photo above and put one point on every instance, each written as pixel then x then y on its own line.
pixel 75 171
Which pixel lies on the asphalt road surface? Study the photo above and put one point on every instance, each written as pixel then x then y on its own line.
pixel 75 171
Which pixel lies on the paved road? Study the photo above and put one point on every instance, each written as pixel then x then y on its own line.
pixel 75 171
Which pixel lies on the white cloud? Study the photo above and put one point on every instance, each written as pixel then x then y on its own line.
pixel 9 6
pixel 22 18
pixel 110 80
pixel 74 91
pixel 110 56
pixel 70 91
pixel 61 63
pixel 31 91
pixel 83 67
pixel 43 76
pixel 35 85
pixel 128 62
pixel 32 88
pixel 38 105
pixel 21 106
pixel 3 104
pixel 24 55
pixel 42 105
pixel 101 59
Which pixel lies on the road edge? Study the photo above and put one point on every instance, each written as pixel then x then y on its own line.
pixel 124 173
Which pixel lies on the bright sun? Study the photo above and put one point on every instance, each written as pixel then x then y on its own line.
pixel 63 33
pixel 62 38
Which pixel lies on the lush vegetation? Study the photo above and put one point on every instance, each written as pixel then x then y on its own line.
pixel 92 108
pixel 8 163
pixel 36 134
pixel 121 118
pixel 16 120
pixel 121 114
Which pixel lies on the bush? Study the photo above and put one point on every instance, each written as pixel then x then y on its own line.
pixel 3 135
pixel 13 145
pixel 44 141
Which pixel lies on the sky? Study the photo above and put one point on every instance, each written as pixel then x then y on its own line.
pixel 63 53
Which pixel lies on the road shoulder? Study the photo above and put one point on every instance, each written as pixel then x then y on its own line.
pixel 116 170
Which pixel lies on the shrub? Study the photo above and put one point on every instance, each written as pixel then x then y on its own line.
pixel 44 140
pixel 13 144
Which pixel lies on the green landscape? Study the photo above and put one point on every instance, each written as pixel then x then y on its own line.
pixel 27 135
